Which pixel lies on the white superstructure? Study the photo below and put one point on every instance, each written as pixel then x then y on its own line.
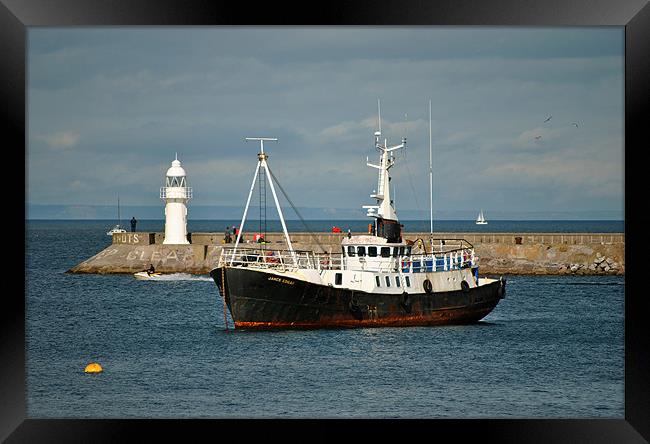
pixel 176 193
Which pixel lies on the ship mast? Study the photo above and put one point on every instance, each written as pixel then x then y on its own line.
pixel 384 208
pixel 430 175
pixel 262 156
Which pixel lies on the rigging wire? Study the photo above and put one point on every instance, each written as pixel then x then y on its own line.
pixel 417 203
pixel 296 210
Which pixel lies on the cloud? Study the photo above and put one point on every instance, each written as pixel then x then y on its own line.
pixel 534 138
pixel 365 128
pixel 558 172
pixel 61 140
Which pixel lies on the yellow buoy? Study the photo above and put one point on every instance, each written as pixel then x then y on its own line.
pixel 93 367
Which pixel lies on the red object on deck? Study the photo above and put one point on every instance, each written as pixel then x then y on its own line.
pixel 336 230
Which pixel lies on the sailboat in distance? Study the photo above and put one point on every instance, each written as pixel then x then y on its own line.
pixel 480 220
pixel 117 228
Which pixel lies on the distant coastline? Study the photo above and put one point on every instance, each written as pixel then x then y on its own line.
pixel 225 212
pixel 355 225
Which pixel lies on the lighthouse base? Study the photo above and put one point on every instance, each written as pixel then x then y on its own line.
pixel 175 242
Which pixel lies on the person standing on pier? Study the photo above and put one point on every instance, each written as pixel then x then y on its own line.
pixel 133 222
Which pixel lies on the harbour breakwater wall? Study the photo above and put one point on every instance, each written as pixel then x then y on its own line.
pixel 499 253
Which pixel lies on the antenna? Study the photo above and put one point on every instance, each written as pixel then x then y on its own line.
pixel 262 139
pixel 430 174
pixel 379 114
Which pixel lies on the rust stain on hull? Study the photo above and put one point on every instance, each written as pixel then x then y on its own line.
pixel 444 317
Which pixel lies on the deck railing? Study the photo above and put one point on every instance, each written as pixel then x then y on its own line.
pixel 280 259
pixel 440 261
pixel 292 260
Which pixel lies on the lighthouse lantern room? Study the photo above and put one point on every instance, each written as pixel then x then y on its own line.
pixel 176 193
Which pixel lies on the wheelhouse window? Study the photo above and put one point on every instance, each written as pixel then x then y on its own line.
pixel 388 281
pixel 408 281
pixel 385 251
pixel 408 250
pixel 338 278
pixel 351 252
pixel 397 281
pixel 395 251
pixel 361 251
pixel 401 251
pixel 378 281
pixel 372 251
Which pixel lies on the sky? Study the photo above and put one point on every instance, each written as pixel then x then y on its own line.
pixel 108 108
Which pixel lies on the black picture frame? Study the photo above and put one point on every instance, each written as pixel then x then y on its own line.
pixel 634 15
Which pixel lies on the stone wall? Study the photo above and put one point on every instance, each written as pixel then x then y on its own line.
pixel 498 253
pixel 550 259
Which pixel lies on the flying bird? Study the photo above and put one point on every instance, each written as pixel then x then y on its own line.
pixel 575 124
pixel 549 118
pixel 538 137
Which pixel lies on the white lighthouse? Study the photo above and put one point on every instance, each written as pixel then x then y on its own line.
pixel 176 193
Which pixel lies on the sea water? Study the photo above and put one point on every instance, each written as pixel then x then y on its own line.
pixel 553 348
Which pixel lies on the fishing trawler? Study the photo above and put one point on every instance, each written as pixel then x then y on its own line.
pixel 375 280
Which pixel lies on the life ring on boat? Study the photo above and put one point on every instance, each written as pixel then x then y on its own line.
pixel 355 310
pixel 406 263
pixel 464 285
pixel 427 286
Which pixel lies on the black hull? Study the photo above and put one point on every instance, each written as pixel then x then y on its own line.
pixel 260 300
